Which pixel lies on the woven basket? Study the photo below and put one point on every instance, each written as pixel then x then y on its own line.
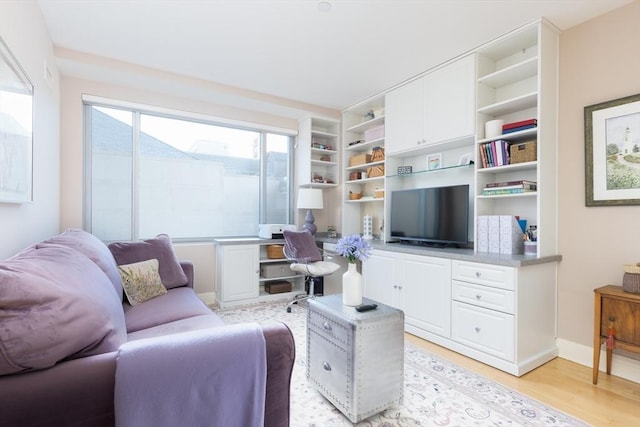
pixel 631 278
pixel 275 251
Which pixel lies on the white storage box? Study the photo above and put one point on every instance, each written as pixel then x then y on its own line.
pixel 374 133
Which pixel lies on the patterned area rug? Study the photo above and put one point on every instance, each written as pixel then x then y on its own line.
pixel 436 392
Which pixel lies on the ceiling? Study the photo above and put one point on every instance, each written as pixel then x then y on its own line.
pixel 290 48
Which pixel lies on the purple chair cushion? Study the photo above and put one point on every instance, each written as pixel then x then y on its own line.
pixel 301 246
pixel 160 248
pixel 93 248
pixel 57 304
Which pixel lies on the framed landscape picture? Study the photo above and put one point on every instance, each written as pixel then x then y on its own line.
pixel 16 132
pixel 612 152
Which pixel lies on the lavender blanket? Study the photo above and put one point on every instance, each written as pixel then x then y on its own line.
pixel 212 377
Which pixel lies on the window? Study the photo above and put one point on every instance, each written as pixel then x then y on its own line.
pixel 151 173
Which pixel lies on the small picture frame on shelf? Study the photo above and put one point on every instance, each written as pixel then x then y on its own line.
pixel 434 161
pixel 465 159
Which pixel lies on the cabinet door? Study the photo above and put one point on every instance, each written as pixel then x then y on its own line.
pixel 404 121
pixel 449 101
pixel 240 272
pixel 380 278
pixel 426 293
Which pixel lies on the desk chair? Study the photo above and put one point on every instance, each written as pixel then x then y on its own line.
pixel 300 247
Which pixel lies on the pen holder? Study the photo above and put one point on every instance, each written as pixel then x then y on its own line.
pixel 530 248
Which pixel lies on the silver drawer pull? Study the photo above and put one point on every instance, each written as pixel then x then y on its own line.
pixel 326 366
pixel 326 326
pixel 477 329
pixel 478 296
pixel 478 274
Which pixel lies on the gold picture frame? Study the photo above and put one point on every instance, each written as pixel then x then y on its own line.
pixel 612 152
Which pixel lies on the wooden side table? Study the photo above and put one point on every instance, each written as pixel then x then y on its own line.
pixel 623 310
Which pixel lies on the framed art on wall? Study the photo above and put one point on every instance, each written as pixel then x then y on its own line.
pixel 16 130
pixel 612 152
pixel 434 161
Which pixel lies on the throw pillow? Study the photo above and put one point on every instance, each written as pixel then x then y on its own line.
pixel 160 248
pixel 141 281
pixel 56 304
pixel 92 247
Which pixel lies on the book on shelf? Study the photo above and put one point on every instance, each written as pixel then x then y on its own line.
pixel 503 191
pixel 517 129
pixel 495 153
pixel 520 123
pixel 511 183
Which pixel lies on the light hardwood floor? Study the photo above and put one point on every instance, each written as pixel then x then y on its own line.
pixel 564 385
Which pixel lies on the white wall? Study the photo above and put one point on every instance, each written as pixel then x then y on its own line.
pixel 23 30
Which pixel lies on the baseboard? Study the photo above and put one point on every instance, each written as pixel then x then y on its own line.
pixel 209 298
pixel 623 367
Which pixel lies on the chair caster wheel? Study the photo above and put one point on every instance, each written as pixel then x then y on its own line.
pixel 288 309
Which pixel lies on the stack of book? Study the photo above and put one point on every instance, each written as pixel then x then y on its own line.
pixel 509 187
pixel 494 153
pixel 518 126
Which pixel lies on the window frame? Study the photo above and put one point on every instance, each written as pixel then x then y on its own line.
pixel 137 110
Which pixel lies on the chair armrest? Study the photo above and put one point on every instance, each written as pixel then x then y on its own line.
pixel 187 267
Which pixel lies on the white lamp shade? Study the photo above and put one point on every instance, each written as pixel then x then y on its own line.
pixel 310 198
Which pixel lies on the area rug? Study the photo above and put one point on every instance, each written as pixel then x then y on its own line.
pixel 436 392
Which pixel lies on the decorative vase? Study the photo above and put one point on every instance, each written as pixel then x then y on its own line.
pixel 352 286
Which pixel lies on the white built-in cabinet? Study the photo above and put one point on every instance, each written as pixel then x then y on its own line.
pixel 418 285
pixel 435 108
pixel 239 267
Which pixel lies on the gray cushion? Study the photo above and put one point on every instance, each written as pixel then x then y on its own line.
pixel 56 304
pixel 301 246
pixel 159 248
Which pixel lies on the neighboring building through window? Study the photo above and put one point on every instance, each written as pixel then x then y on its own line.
pixel 148 174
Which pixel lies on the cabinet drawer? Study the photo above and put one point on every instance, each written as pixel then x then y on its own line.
pixel 484 296
pixel 484 274
pixel 489 331
pixel 330 329
pixel 328 369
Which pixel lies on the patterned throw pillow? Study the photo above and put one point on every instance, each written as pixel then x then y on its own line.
pixel 141 281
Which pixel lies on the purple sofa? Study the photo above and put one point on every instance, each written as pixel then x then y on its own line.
pixel 63 318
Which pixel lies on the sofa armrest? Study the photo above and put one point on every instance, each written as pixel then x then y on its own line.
pixel 187 267
pixel 281 354
pixel 76 392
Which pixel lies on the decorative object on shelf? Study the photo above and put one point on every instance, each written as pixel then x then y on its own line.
pixel 611 132
pixel 374 133
pixel 331 232
pixel 360 159
pixel 367 227
pixel 310 198
pixel 275 251
pixel 375 171
pixel 434 161
pixel 631 278
pixel 353 248
pixel 377 154
pixel 354 175
pixel 493 128
pixel 405 170
pixel 354 196
pixel 16 130
pixel 370 115
pixel 378 193
pixel 465 159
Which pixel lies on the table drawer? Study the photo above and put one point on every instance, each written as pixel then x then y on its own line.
pixel 329 328
pixel 484 274
pixel 329 370
pixel 484 296
pixel 489 331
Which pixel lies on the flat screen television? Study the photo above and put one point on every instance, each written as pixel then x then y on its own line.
pixel 436 215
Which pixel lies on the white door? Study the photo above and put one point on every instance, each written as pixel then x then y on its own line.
pixel 404 117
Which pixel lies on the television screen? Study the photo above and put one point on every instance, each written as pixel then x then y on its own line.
pixel 431 215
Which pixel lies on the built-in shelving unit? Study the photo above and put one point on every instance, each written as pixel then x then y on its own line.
pixel 515 74
pixel 317 153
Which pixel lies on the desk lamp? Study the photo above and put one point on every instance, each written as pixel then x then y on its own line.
pixel 310 198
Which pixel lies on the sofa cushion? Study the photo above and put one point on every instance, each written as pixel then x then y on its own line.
pixel 92 247
pixel 56 304
pixel 141 281
pixel 176 304
pixel 159 248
